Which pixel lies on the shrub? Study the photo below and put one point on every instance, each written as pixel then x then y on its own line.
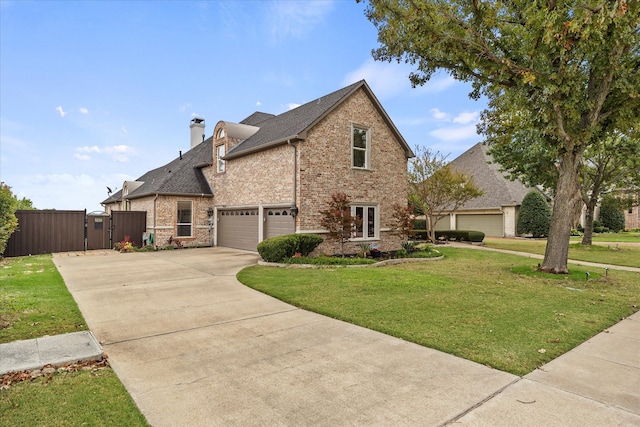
pixel 535 215
pixel 611 214
pixel 277 249
pixel 460 235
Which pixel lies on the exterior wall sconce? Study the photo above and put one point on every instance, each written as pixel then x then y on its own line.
pixel 210 212
pixel 294 211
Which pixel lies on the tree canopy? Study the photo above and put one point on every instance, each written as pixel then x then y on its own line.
pixel 566 69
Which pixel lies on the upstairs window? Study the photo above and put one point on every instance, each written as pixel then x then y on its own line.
pixel 220 133
pixel 360 147
pixel 185 218
pixel 219 158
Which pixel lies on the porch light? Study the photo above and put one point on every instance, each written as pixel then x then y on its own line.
pixel 210 212
pixel 294 211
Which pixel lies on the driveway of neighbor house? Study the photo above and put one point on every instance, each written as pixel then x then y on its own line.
pixel 193 347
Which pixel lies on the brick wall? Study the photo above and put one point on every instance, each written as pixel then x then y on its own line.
pixel 166 210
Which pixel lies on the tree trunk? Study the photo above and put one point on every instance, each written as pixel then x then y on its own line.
pixel 567 194
pixel 587 237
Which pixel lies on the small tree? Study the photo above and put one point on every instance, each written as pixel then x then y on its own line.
pixel 435 189
pixel 535 215
pixel 337 219
pixel 611 213
pixel 8 220
pixel 405 218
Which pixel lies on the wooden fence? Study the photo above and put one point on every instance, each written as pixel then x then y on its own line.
pixel 50 231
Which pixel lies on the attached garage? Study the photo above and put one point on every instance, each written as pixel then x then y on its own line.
pixel 238 229
pixel 278 222
pixel 489 224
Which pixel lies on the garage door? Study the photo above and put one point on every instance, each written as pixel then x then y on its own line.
pixel 278 222
pixel 238 228
pixel 490 225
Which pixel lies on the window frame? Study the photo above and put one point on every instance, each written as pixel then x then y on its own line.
pixel 180 224
pixel 367 225
pixel 366 149
pixel 220 163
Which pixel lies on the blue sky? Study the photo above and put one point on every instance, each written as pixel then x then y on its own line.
pixel 96 93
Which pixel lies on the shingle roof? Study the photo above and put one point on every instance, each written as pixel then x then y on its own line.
pixel 498 189
pixel 181 176
pixel 294 124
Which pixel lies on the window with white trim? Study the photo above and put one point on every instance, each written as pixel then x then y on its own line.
pixel 185 218
pixel 360 147
pixel 219 157
pixel 367 225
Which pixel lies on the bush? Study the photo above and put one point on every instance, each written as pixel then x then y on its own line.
pixel 460 235
pixel 611 214
pixel 535 215
pixel 277 249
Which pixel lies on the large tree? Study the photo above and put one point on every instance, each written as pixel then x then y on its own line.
pixel 8 220
pixel 569 69
pixel 610 162
pixel 435 189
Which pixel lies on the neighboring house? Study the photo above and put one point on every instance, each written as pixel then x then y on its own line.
pixel 272 174
pixel 495 212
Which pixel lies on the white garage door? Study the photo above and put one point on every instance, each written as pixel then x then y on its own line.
pixel 490 225
pixel 238 228
pixel 278 222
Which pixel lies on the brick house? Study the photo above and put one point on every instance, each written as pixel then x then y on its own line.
pixel 269 175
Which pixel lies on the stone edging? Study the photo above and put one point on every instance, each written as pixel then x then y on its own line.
pixel 377 264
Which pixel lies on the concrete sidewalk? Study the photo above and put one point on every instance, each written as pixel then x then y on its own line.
pixel 195 347
pixel 55 350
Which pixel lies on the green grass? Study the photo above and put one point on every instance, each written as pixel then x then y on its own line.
pixel 620 253
pixel 484 306
pixel 82 398
pixel 34 301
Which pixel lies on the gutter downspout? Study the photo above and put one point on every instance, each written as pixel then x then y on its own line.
pixel 155 232
pixel 295 178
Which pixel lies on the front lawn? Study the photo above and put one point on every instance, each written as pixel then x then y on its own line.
pixel 623 252
pixel 34 301
pixel 488 307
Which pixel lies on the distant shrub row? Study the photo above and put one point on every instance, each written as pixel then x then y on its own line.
pixel 458 235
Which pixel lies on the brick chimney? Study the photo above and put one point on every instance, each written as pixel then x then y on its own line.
pixel 197 131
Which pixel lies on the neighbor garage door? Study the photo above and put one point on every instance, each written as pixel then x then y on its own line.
pixel 490 225
pixel 238 228
pixel 278 222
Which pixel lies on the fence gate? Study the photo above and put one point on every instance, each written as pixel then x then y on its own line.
pixel 98 230
pixel 128 223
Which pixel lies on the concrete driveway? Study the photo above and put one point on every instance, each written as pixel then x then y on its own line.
pixel 195 347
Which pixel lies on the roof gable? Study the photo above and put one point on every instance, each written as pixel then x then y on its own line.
pixel 295 123
pixel 498 190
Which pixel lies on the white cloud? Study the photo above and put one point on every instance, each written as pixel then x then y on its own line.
pixel 83 110
pixel 440 115
pixel 455 133
pixel 86 149
pixel 292 105
pixel 61 111
pixel 294 19
pixel 258 103
pixel 467 117
pixel 184 106
pixel 117 153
